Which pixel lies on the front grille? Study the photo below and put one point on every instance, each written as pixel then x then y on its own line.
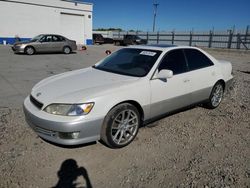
pixel 36 102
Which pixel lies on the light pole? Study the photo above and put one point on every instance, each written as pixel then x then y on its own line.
pixel 155 11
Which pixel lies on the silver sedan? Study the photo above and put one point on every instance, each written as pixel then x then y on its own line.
pixel 45 43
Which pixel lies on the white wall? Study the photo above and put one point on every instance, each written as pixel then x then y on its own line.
pixel 33 17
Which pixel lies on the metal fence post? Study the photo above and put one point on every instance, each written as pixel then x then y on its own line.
pixel 172 37
pixel 246 33
pixel 190 39
pixel 238 41
pixel 158 37
pixel 210 39
pixel 147 36
pixel 230 37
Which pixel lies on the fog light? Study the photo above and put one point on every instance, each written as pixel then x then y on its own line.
pixel 73 135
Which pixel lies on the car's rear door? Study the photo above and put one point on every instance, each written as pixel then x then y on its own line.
pixel 173 93
pixel 58 43
pixel 203 74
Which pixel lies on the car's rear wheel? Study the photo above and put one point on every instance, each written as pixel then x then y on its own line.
pixel 120 126
pixel 216 96
pixel 66 50
pixel 29 50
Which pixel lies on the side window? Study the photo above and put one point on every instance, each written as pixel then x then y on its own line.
pixel 196 59
pixel 57 38
pixel 43 39
pixel 61 38
pixel 48 38
pixel 174 61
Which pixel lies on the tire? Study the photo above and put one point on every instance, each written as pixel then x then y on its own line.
pixel 120 126
pixel 66 50
pixel 216 96
pixel 29 50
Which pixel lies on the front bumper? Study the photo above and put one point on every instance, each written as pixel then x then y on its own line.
pixel 17 49
pixel 51 127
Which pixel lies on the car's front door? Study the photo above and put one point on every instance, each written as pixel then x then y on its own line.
pixel 45 44
pixel 172 93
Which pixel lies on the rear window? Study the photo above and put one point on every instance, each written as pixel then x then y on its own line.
pixel 196 59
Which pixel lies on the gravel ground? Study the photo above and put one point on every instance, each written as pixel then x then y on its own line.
pixel 194 148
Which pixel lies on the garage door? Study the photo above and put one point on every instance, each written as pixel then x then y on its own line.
pixel 72 26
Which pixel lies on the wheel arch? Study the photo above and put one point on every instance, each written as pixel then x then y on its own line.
pixel 67 46
pixel 134 103
pixel 223 83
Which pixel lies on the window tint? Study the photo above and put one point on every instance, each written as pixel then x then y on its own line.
pixel 43 39
pixel 197 59
pixel 47 38
pixel 57 38
pixel 174 61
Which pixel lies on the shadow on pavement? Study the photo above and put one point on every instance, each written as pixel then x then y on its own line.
pixel 69 173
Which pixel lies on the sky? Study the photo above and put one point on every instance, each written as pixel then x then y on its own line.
pixel 174 14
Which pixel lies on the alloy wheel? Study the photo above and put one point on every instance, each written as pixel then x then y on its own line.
pixel 124 127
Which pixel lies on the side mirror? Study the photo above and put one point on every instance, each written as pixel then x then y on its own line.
pixel 164 74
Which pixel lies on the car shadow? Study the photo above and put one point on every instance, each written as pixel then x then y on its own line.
pixel 47 53
pixel 69 173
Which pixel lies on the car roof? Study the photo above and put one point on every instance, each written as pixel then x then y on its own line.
pixel 161 47
pixel 51 34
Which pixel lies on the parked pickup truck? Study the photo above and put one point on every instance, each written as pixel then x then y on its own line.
pixel 99 39
pixel 129 40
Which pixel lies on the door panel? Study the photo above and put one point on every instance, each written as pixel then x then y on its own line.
pixel 202 81
pixel 203 72
pixel 57 43
pixel 173 93
pixel 169 95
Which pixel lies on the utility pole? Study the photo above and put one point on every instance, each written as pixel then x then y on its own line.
pixel 155 5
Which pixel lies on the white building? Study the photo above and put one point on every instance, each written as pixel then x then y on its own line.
pixel 28 18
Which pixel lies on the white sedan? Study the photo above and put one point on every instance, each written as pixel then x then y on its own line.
pixel 130 87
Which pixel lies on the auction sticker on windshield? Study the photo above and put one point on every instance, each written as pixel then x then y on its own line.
pixel 148 53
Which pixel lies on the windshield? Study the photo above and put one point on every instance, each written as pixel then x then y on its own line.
pixel 129 61
pixel 36 38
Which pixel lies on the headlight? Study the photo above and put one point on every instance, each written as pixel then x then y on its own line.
pixel 69 109
pixel 19 45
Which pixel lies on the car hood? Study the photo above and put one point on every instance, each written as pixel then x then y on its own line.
pixel 22 42
pixel 78 86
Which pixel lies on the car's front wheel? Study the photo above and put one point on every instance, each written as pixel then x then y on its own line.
pixel 29 50
pixel 120 126
pixel 216 96
pixel 66 49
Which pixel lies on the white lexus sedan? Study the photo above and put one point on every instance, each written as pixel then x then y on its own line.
pixel 130 87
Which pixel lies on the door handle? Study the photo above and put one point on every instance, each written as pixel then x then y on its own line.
pixel 186 80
